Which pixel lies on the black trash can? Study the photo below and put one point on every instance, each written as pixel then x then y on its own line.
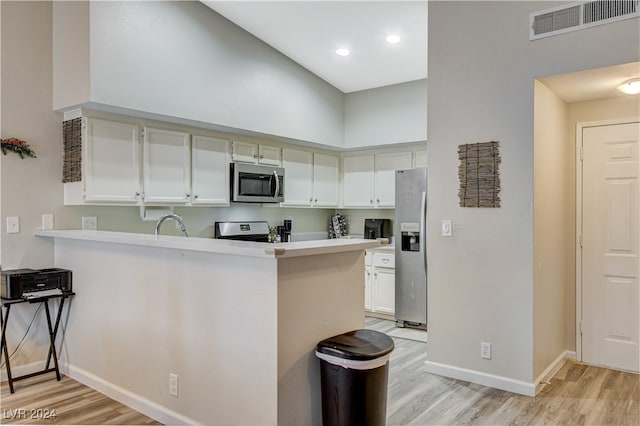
pixel 354 370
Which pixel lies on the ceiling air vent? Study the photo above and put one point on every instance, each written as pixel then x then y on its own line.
pixel 577 16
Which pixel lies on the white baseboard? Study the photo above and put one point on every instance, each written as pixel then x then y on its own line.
pixel 553 368
pixel 138 403
pixel 500 382
pixel 485 379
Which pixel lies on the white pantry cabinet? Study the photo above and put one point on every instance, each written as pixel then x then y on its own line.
pixel 246 152
pixel 209 171
pixel 110 164
pixel 380 282
pixel 166 167
pixel 326 179
pixel 369 180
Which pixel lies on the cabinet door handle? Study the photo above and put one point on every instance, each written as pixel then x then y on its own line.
pixel 188 195
pixel 262 157
pixel 137 194
pixel 316 200
pixel 195 196
pixel 370 201
pixel 378 200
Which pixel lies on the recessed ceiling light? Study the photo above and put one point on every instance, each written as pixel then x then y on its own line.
pixel 631 87
pixel 342 52
pixel 393 38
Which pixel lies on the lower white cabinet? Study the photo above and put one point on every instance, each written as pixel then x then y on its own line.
pixel 380 282
pixel 367 288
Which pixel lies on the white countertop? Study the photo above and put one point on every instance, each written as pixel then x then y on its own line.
pixel 211 245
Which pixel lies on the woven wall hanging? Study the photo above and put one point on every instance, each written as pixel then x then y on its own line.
pixel 72 150
pixel 479 174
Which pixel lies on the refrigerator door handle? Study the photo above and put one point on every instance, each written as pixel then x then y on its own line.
pixel 423 235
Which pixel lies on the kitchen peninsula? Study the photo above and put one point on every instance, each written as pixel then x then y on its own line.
pixel 237 322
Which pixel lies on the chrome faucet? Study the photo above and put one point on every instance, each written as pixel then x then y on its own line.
pixel 174 217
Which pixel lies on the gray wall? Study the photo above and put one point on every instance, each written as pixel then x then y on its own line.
pixel 183 60
pixel 482 68
pixel 386 115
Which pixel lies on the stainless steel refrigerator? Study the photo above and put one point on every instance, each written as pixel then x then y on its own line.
pixel 411 248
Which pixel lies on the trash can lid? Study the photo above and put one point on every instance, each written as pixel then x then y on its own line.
pixel 357 345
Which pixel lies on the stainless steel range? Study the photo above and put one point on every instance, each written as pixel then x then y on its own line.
pixel 256 231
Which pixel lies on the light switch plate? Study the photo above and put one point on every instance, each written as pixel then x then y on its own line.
pixel 13 224
pixel 447 228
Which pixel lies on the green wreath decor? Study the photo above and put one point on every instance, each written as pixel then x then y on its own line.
pixel 19 146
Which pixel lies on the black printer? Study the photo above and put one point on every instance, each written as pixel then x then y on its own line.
pixel 18 283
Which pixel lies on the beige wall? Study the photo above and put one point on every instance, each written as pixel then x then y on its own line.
pixel 552 225
pixel 555 214
pixel 29 187
pixel 582 112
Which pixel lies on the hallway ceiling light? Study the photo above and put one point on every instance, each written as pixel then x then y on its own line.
pixel 631 87
pixel 342 52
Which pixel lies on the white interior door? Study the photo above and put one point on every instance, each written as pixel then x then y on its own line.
pixel 610 263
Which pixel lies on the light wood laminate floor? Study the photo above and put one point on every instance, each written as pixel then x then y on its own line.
pixel 577 395
pixel 44 401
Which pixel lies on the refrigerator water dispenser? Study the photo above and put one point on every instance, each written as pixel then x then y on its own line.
pixel 410 241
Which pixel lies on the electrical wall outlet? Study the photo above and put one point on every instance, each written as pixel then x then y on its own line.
pixel 89 222
pixel 47 221
pixel 173 384
pixel 485 350
pixel 13 224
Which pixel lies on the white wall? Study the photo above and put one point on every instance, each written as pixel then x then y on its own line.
pixel 482 68
pixel 386 115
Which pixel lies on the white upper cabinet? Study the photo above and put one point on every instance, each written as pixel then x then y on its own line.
pixel 111 162
pixel 386 166
pixel 358 181
pixel 246 152
pixel 326 179
pixel 269 155
pixel 298 183
pixel 166 167
pixel 369 180
pixel 420 159
pixel 209 171
pixel 311 179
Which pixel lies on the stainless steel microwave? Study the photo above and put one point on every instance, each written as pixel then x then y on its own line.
pixel 251 183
